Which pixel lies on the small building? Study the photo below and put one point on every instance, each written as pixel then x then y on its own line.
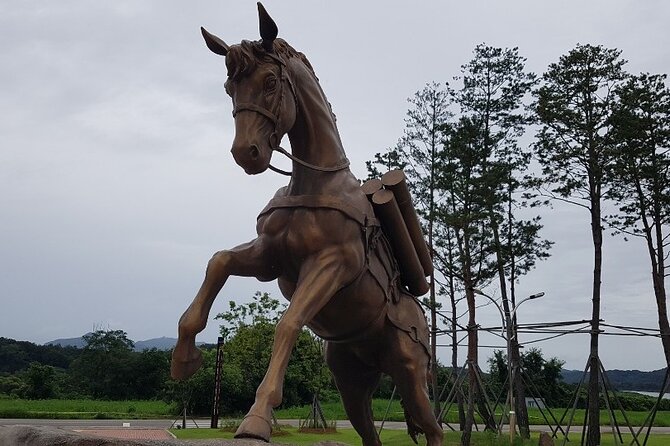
pixel 535 403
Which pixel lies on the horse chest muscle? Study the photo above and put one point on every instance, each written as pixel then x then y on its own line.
pixel 296 234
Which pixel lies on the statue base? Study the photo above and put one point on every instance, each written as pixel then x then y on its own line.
pixel 21 435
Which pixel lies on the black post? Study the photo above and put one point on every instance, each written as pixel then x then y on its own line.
pixel 217 384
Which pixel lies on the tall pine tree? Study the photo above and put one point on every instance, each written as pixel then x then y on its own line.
pixel 641 177
pixel 495 84
pixel 573 107
pixel 419 153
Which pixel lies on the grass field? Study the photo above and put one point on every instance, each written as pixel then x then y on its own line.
pixel 91 409
pixel 84 409
pixel 396 438
pixel 335 411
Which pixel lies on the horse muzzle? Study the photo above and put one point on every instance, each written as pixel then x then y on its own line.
pixel 251 158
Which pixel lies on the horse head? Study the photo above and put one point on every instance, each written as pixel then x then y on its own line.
pixel 264 101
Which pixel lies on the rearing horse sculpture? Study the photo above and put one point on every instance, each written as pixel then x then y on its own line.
pixel 320 239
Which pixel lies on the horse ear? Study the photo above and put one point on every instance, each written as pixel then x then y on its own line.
pixel 215 44
pixel 268 27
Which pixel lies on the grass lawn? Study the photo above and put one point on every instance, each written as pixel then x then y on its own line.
pixel 396 438
pixel 335 411
pixel 84 409
pixel 347 436
pixel 91 409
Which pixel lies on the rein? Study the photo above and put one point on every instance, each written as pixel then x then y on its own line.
pixel 274 116
pixel 292 157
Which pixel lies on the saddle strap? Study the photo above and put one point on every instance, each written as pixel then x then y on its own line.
pixel 320 201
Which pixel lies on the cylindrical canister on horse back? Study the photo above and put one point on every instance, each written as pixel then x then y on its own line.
pixel 411 271
pixel 395 181
pixel 371 186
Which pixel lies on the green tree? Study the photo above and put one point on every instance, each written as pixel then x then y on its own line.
pixel 419 152
pixel 105 366
pixel 16 356
pixel 495 84
pixel 12 386
pixel 262 309
pixel 544 374
pixel 641 177
pixel 196 393
pixel 12 356
pixel 150 370
pixel 498 371
pixel 40 381
pixel 249 332
pixel 574 148
pixel 465 213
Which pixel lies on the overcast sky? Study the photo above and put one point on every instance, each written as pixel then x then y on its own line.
pixel 117 184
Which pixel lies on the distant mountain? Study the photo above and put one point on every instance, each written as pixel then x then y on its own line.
pixel 162 343
pixel 624 379
pixel 571 376
pixel 69 342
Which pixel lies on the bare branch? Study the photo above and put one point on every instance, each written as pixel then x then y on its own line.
pixel 549 194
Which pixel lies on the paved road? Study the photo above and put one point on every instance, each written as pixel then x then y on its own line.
pixel 204 423
pixel 90 424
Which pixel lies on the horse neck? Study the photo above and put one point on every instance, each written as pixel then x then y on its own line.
pixel 315 139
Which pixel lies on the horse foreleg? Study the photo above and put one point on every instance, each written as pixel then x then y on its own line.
pixel 320 278
pixel 243 260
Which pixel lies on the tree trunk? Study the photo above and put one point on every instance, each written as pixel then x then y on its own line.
pixel 513 356
pixel 472 384
pixel 593 437
pixel 520 392
pixel 455 367
pixel 433 303
pixel 658 278
pixel 433 349
pixel 519 385
pixel 454 334
pixel 470 408
pixel 655 248
pixel 662 308
pixel 472 358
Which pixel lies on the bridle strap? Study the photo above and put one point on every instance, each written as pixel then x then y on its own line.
pixel 274 118
pixel 255 108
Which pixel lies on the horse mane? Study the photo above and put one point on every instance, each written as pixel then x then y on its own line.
pixel 242 59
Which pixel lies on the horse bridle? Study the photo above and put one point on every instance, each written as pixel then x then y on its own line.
pixel 273 116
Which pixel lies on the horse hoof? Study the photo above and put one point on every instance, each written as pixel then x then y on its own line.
pixel 181 370
pixel 256 427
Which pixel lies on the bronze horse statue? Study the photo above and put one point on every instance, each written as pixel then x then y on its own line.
pixel 320 239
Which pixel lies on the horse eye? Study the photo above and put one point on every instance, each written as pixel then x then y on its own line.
pixel 270 84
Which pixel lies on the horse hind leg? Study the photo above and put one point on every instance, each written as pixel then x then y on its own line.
pixel 356 383
pixel 408 367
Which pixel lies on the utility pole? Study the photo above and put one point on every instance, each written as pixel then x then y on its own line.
pixel 217 384
pixel 506 318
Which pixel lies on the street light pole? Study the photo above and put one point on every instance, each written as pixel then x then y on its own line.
pixel 506 318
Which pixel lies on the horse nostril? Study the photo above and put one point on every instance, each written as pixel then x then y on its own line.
pixel 253 152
